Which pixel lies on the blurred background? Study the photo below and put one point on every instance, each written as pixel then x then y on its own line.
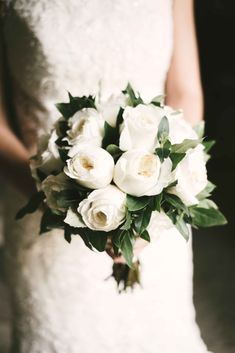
pixel 214 249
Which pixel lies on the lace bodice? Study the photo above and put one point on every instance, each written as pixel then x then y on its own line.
pixel 85 47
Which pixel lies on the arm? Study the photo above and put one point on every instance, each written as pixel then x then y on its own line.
pixel 14 157
pixel 183 85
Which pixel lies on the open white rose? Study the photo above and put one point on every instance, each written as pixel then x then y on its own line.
pixel 91 166
pixel 47 159
pixel 86 125
pixel 191 175
pixel 139 173
pixel 110 108
pixel 140 127
pixel 51 185
pixel 179 128
pixel 104 209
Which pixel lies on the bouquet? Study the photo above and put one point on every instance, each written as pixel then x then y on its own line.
pixel 114 171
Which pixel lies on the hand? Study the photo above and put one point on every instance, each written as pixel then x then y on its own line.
pixel 139 245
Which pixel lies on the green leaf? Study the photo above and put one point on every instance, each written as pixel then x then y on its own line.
pixel 75 104
pixel 63 127
pixel 142 221
pixel 128 222
pixel 98 239
pixel 171 185
pixel 51 221
pixel 63 152
pixel 115 151
pixel 208 145
pixel 206 192
pixel 136 203
pixel 200 129
pixel 157 201
pixel 145 235
pixel 126 247
pixel 184 146
pixel 176 202
pixel 203 217
pixel 134 100
pixel 116 238
pixel 67 234
pixel 163 130
pixel 67 198
pixel 119 118
pixel 32 205
pixel 163 151
pixel 176 158
pixel 111 135
pixel 182 227
pixel 158 101
pixel 206 203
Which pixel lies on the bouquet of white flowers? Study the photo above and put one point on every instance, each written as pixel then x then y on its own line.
pixel 114 171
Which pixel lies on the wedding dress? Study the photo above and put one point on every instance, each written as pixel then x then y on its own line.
pixel 61 301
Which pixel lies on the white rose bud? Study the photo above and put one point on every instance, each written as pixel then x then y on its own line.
pixel 139 173
pixel 47 159
pixel 52 184
pixel 110 108
pixel 90 166
pixel 86 125
pixel 179 128
pixel 140 127
pixel 104 209
pixel 191 175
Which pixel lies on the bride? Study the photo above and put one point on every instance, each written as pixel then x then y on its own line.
pixel 60 301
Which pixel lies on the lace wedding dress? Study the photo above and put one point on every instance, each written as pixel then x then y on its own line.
pixel 61 301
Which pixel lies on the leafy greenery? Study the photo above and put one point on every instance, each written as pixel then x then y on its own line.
pixel 68 197
pixel 51 221
pixel 145 235
pixel 75 104
pixel 32 205
pixel 163 130
pixel 158 101
pixel 208 145
pixel 163 151
pixel 111 135
pixel 142 221
pixel 115 151
pixel 176 158
pixel 126 246
pixel 134 99
pixel 207 217
pixel 136 203
pixel 184 146
pixel 157 201
pixel 207 191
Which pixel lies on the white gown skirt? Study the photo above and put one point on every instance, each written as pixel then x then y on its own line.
pixel 62 303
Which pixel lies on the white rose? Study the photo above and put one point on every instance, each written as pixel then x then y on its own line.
pixel 159 223
pixel 191 175
pixel 110 108
pixel 140 127
pixel 179 128
pixel 91 166
pixel 51 185
pixel 104 209
pixel 47 159
pixel 139 173
pixel 86 125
